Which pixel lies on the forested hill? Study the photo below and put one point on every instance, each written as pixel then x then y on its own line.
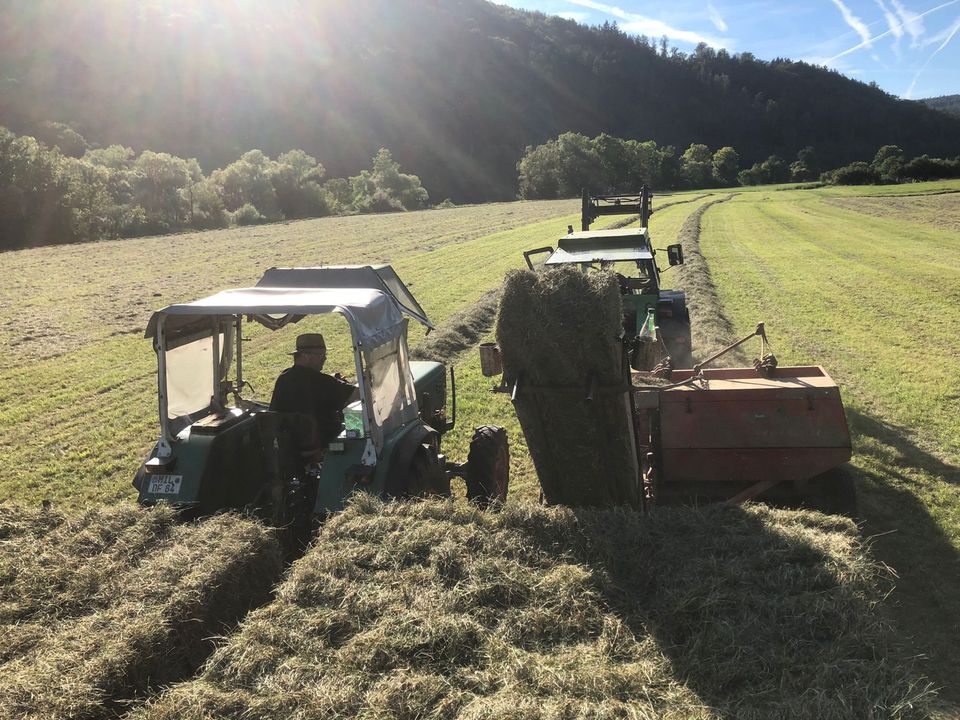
pixel 455 88
pixel 946 103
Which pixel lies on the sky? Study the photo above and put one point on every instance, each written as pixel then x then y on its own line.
pixel 910 48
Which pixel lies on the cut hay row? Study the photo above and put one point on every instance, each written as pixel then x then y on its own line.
pixel 436 610
pixel 461 332
pixel 128 627
pixel 709 328
pixel 559 335
pixel 60 566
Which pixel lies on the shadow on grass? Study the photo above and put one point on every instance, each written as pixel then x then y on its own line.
pixel 891 472
pixel 761 613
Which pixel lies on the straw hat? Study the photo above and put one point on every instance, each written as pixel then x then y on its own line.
pixel 310 343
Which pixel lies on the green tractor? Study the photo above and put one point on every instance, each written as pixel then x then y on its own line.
pixel 221 448
pixel 656 319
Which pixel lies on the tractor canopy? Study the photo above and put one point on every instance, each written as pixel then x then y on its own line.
pixel 194 342
pixel 372 277
pixel 623 245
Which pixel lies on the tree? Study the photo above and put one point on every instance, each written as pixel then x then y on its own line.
pixel 726 164
pixel 697 165
pixel 539 170
pixel 384 188
pixel 296 180
pixel 157 180
pixel 889 162
pixel 248 181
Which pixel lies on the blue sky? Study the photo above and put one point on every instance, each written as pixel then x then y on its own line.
pixel 910 48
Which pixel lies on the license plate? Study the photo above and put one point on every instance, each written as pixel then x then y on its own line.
pixel 164 484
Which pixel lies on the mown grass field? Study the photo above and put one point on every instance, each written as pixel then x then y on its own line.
pixel 839 281
pixel 867 282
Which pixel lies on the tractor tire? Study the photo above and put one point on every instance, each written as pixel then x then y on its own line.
pixel 488 466
pixel 833 492
pixel 426 478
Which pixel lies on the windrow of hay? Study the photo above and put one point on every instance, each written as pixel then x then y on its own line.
pixel 110 629
pixel 440 610
pixel 709 328
pixel 559 335
pixel 53 568
pixel 461 332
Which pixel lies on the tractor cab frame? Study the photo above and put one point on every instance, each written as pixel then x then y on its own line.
pixel 219 450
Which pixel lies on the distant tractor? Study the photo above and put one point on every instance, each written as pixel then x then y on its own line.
pixel 221 449
pixel 656 320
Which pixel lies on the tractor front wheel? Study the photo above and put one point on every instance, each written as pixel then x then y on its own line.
pixel 488 466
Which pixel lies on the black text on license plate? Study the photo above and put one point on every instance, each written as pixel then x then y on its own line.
pixel 165 484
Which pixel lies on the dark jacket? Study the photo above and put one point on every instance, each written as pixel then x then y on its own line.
pixel 318 396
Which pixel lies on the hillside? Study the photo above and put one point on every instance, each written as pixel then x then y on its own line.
pixel 456 89
pixel 946 103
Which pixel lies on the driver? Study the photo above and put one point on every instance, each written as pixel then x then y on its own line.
pixel 306 390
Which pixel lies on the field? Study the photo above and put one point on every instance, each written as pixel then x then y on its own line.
pixel 862 282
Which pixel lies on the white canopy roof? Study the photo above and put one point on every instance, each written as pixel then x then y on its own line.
pixel 373 315
pixel 618 245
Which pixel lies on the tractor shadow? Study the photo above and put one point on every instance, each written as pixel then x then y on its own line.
pixel 752 614
pixel 925 603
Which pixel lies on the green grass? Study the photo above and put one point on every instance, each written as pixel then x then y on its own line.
pixel 874 300
pixel 77 380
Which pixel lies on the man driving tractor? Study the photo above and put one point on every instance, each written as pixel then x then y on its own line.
pixel 306 390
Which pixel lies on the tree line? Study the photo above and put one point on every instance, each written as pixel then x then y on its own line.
pixel 66 192
pixel 561 167
pixel 455 88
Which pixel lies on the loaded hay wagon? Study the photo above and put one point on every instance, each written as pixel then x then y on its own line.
pixel 601 433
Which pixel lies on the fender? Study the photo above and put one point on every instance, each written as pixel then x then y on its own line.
pixel 402 456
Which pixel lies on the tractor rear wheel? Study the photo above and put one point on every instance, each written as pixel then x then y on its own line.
pixel 488 466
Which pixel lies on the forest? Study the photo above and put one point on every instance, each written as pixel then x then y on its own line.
pixel 456 89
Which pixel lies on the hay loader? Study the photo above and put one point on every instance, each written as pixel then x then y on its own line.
pixel 606 434
pixel 656 318
pixel 220 448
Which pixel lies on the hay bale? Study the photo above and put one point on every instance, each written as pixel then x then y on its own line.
pixel 440 610
pixel 146 627
pixel 559 332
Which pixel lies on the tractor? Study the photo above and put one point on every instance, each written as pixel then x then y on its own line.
pixel 656 319
pixel 221 448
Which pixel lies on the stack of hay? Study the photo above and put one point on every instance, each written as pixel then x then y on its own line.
pixel 436 610
pixel 559 334
pixel 97 610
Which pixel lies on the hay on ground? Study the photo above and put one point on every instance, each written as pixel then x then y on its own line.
pixel 559 333
pixel 437 610
pixel 139 629
pixel 461 332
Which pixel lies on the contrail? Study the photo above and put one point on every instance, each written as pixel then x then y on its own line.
pixel 888 32
pixel 953 31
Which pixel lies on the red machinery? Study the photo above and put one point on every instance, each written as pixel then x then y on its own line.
pixel 724 434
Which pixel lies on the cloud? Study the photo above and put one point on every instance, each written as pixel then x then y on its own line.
pixel 643 25
pixel 893 24
pixel 950 33
pixel 854 22
pixel 913 24
pixel 718 22
pixel 910 20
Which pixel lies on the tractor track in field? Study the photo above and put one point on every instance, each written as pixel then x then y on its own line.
pixel 711 330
